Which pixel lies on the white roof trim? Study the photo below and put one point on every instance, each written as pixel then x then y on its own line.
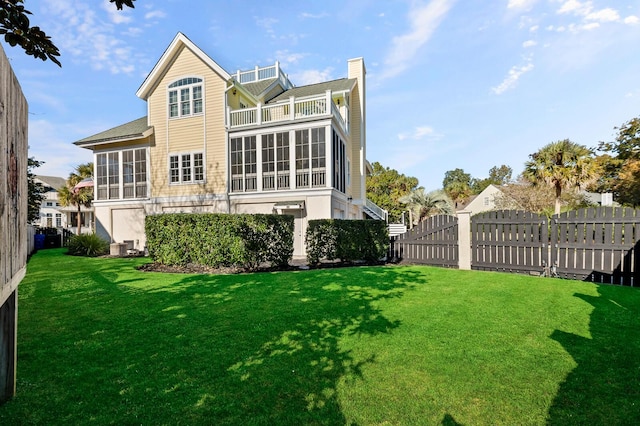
pixel 178 41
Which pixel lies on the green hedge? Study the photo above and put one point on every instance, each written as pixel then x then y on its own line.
pixel 346 240
pixel 211 239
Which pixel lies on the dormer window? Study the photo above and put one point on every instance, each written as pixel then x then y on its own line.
pixel 185 97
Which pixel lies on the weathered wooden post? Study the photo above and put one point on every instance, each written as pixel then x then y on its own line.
pixel 13 218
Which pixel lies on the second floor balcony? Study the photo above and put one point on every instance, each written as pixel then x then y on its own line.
pixel 319 106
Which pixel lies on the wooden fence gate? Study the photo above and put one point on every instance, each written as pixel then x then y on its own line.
pixel 433 241
pixel 597 244
pixel 510 241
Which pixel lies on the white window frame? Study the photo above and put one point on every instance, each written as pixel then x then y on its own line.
pixel 194 168
pixel 185 97
pixel 114 183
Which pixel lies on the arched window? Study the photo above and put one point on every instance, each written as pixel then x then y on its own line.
pixel 185 97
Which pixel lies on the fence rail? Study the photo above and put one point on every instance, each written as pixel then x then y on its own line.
pixel 596 244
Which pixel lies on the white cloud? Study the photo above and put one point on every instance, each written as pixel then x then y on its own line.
pixel 512 78
pixel 88 35
pixel 417 133
pixel 155 14
pixel 529 43
pixel 575 7
pixel 311 76
pixel 423 21
pixel 267 24
pixel 117 16
pixel 604 15
pixel 288 58
pixel 306 15
pixel 588 27
pixel 632 20
pixel 534 28
pixel 520 4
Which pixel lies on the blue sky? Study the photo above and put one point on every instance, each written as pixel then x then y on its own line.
pixel 450 84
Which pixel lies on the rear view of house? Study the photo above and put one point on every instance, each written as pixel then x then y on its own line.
pixel 248 142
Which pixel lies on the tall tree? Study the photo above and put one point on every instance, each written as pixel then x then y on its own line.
pixel 627 186
pixel 627 143
pixel 35 191
pixel 520 194
pixel 497 176
pixel 621 172
pixel 70 195
pixel 385 186
pixel 457 184
pixel 561 165
pixel 17 30
pixel 423 204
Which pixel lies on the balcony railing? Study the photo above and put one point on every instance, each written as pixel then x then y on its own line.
pixel 290 110
pixel 280 181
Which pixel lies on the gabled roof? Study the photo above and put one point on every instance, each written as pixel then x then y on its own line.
pixel 258 87
pixel 51 181
pixel 340 85
pixel 179 42
pixel 132 130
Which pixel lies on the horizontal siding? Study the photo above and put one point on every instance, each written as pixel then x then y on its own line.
pixel 354 145
pixel 199 133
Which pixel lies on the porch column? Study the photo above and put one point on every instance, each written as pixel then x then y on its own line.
pixel 328 155
pixel 292 104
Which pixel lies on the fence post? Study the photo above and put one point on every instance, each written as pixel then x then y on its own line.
pixel 464 239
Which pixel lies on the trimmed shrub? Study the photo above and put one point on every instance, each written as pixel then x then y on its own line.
pixel 90 245
pixel 346 240
pixel 216 240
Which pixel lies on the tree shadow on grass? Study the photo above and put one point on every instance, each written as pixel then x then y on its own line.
pixel 203 349
pixel 287 372
pixel 604 387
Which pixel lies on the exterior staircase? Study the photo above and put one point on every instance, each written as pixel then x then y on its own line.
pixel 374 211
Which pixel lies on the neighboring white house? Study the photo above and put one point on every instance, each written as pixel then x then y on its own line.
pixel 247 142
pixel 484 201
pixel 604 199
pixel 53 215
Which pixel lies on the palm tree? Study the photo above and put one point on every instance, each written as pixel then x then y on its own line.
pixel 423 204
pixel 561 165
pixel 71 196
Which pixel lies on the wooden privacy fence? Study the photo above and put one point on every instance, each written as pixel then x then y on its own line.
pixel 598 244
pixel 13 217
pixel 433 241
pixel 509 240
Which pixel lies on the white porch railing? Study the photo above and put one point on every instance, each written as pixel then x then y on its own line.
pixel 291 110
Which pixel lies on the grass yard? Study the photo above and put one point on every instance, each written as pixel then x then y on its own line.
pixel 102 343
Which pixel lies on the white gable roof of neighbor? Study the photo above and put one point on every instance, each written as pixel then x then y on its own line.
pixel 179 41
pixel 483 201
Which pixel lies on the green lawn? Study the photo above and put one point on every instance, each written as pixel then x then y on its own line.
pixel 102 343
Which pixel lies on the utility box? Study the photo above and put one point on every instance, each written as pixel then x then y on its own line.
pixel 118 249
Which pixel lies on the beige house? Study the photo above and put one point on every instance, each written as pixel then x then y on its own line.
pixel 248 142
